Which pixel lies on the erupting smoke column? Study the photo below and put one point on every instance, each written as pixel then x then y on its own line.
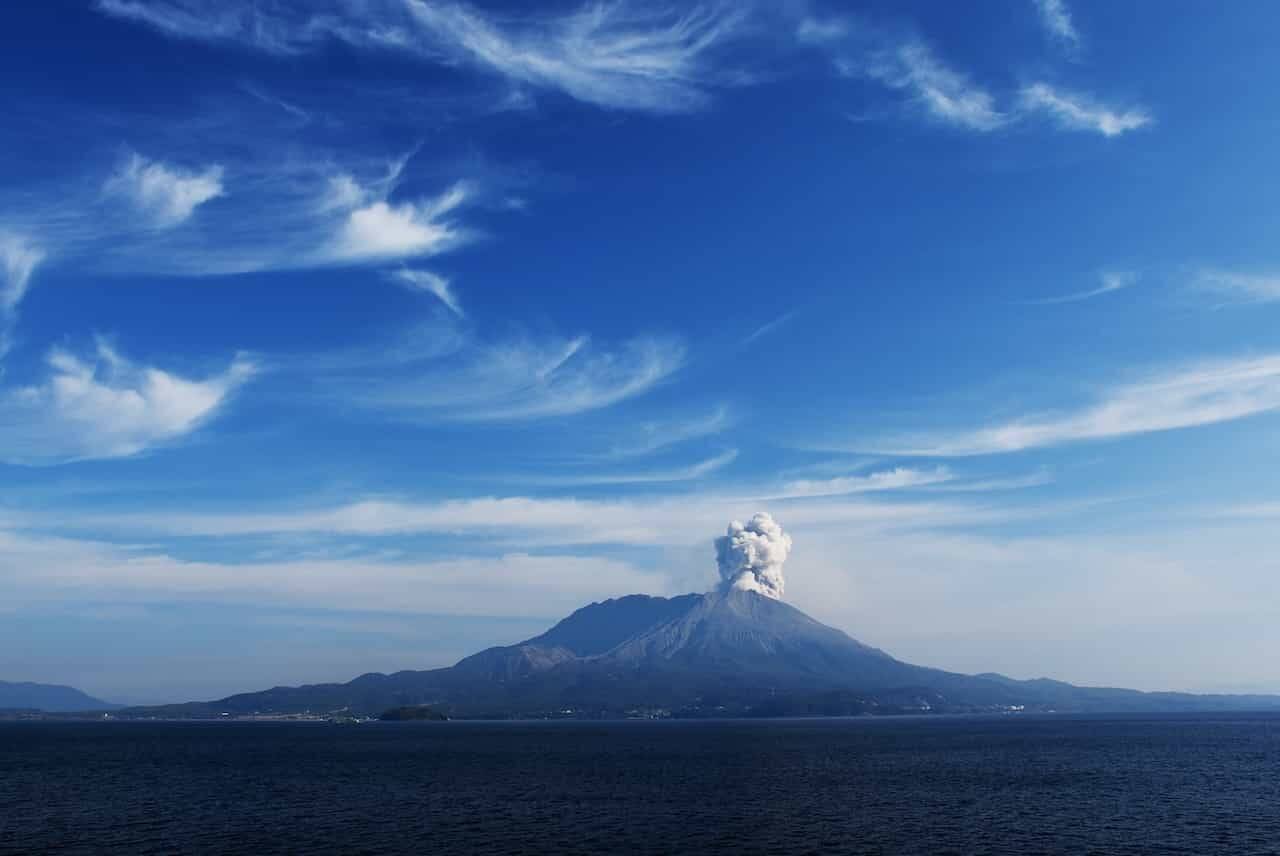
pixel 751 556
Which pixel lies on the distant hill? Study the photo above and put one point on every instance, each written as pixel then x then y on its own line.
pixel 729 653
pixel 48 697
pixel 413 713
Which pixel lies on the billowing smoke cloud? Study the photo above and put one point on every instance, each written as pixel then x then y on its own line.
pixel 750 556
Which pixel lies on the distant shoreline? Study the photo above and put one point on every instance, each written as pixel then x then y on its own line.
pixel 92 718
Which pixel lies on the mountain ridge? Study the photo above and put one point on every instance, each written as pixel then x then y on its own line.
pixel 50 698
pixel 727 653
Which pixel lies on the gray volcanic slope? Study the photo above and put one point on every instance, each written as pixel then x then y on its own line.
pixel 741 632
pixel 734 653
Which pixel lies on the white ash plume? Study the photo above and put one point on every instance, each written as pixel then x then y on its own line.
pixel 750 556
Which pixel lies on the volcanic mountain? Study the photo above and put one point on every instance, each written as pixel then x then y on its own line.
pixel 733 652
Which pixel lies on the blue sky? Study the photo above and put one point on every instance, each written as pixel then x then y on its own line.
pixel 359 336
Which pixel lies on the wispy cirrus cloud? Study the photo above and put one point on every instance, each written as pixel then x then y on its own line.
pixel 768 327
pixel 1111 281
pixel 692 472
pixel 1240 287
pixel 908 64
pixel 1076 112
pixel 271 28
pixel 658 521
pixel 898 478
pixel 946 95
pixel 654 436
pixel 512 583
pixel 1056 19
pixel 1203 394
pixel 478 380
pixel 105 406
pixel 303 117
pixel 431 283
pixel 311 211
pixel 164 194
pixel 1039 478
pixel 621 55
pixel 19 258
pixel 813 30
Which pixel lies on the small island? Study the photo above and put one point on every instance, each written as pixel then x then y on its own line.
pixel 412 713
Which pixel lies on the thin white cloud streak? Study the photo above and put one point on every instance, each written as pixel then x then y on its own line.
pixel 1241 287
pixel 620 55
pixel 656 436
pixel 1111 281
pixel 409 352
pixel 898 478
pixel 431 283
pixel 1056 18
pixel 945 94
pixel 165 195
pixel 1077 112
pixel 192 21
pixel 693 472
pixel 105 406
pixel 444 371
pixel 769 327
pixel 819 31
pixel 19 258
pixel 951 97
pixel 516 380
pixel 303 116
pixel 1036 479
pixel 831 467
pixel 1204 394
pixel 266 28
pixel 55 569
pixel 531 521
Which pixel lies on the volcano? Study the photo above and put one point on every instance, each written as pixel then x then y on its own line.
pixel 733 652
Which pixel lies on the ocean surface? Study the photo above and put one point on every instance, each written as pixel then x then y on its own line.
pixel 1153 784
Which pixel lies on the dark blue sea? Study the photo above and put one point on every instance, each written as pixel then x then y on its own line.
pixel 1165 784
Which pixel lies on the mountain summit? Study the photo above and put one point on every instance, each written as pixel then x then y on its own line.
pixel 740 632
pixel 733 652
